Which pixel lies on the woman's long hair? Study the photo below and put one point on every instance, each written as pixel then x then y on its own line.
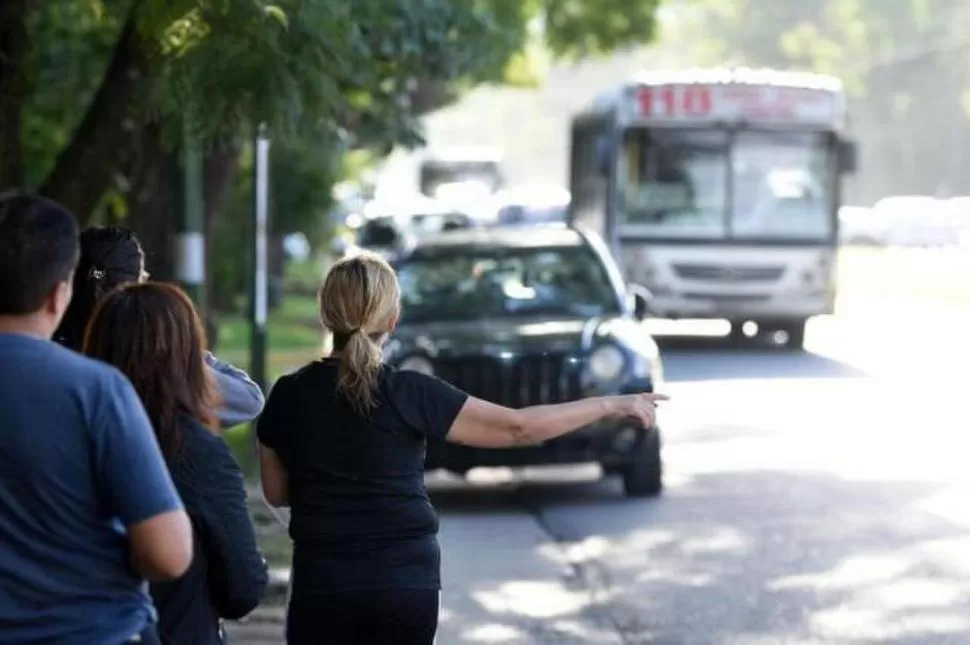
pixel 110 256
pixel 152 333
pixel 359 305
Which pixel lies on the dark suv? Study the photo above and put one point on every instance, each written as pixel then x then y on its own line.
pixel 525 318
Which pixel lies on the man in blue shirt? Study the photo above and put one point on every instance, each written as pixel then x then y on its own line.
pixel 87 508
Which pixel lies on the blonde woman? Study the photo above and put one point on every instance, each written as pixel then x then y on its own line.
pixel 342 443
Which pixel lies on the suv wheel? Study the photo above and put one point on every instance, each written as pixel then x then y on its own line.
pixel 643 477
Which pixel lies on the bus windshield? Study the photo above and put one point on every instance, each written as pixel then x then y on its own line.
pixel 783 185
pixel 675 182
pixel 709 184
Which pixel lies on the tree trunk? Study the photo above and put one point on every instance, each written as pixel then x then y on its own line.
pixel 219 169
pixel 220 166
pixel 153 200
pixel 13 90
pixel 100 146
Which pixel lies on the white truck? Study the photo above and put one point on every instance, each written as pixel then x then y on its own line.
pixel 441 168
pixel 719 191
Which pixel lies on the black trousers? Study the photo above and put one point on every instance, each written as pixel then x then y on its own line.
pixel 379 617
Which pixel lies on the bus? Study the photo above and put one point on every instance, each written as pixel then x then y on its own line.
pixel 719 191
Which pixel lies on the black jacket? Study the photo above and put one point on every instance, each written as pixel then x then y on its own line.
pixel 228 575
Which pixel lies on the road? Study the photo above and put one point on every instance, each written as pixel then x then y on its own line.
pixel 817 497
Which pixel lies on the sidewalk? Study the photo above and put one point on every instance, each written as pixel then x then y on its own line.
pixel 266 625
pixel 504 581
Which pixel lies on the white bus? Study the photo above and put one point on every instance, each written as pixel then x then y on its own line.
pixel 719 191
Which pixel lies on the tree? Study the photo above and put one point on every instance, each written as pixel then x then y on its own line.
pixel 218 67
pixel 897 60
pixel 95 94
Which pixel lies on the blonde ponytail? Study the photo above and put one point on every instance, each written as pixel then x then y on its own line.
pixel 359 305
pixel 360 365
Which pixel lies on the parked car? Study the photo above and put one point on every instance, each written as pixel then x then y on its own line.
pixel 911 221
pixel 532 319
pixel 859 226
pixel 532 205
pixel 391 228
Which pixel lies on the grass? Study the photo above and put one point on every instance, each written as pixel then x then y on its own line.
pixel 294 334
pixel 306 273
pixel 295 337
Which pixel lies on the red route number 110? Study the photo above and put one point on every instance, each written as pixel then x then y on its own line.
pixel 675 101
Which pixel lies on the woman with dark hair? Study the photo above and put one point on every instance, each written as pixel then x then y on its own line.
pixel 112 256
pixel 342 443
pixel 152 333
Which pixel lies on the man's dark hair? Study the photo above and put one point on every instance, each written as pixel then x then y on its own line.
pixel 38 249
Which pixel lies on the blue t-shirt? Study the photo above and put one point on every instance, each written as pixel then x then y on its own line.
pixel 78 463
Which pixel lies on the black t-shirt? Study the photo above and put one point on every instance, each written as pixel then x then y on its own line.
pixel 360 513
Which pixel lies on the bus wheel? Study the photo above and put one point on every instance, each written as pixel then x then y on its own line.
pixel 794 334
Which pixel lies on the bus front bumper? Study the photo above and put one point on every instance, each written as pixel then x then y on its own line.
pixel 746 306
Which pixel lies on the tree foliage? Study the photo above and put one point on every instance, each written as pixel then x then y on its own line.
pixel 365 68
pixel 106 88
pixel 902 63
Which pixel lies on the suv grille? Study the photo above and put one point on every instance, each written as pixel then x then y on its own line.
pixel 515 382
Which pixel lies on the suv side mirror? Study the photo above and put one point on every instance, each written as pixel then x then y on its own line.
pixel 641 300
pixel 848 156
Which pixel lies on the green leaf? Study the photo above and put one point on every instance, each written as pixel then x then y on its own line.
pixel 277 13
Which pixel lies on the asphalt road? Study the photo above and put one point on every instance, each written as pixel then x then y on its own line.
pixel 817 497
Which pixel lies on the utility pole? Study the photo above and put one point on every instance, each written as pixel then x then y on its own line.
pixel 190 239
pixel 260 283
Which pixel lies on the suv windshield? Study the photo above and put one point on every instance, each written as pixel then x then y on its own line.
pixel 676 183
pixel 472 283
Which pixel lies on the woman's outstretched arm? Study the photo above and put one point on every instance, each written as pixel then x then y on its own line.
pixel 486 425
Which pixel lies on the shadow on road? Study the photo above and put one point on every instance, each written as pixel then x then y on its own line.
pixel 754 557
pixel 704 358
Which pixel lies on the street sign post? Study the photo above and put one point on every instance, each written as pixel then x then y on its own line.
pixel 190 239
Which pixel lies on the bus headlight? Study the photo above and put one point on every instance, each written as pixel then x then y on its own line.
pixel 606 363
pixel 417 364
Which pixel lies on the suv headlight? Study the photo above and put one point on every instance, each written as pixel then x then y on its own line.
pixel 652 369
pixel 606 363
pixel 417 364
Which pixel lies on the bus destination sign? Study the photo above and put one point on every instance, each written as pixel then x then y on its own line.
pixel 731 102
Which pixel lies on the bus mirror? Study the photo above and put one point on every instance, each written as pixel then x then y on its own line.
pixel 604 154
pixel 848 156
